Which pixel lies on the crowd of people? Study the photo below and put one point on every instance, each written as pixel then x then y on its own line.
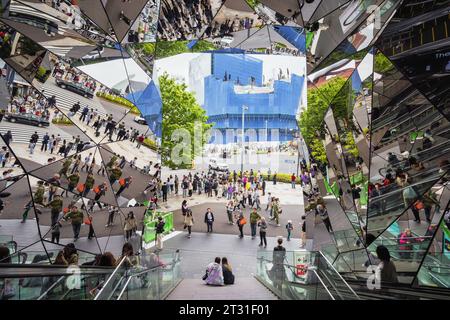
pixel 183 20
pixel 62 71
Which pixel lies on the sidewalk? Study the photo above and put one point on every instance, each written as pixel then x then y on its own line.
pixel 284 191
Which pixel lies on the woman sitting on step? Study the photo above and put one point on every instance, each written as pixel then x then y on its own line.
pixel 214 275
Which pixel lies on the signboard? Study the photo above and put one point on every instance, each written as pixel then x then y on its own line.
pixel 302 263
pixel 150 225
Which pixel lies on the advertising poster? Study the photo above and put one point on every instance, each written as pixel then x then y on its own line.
pixel 302 262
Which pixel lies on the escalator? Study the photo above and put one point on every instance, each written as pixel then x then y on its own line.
pixel 152 277
pixel 50 282
pixel 315 280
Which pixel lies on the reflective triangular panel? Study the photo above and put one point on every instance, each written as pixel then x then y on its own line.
pixel 144 28
pixel 123 14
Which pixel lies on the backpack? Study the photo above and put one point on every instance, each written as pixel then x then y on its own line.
pixel 97 189
pixel 243 221
pixel 122 182
pixel 80 187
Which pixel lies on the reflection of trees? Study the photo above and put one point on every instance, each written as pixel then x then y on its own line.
pixel 164 49
pixel 181 112
pixel 312 119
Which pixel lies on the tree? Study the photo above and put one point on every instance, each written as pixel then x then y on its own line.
pixel 181 113
pixel 311 120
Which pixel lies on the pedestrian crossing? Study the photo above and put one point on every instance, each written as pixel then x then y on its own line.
pixel 22 133
pixel 65 99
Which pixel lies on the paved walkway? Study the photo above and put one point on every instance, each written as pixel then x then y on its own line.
pixel 284 191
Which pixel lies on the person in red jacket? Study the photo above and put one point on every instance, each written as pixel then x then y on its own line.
pixel 293 178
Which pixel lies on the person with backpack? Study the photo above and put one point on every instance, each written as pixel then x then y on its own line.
pixel 241 221
pixel 124 184
pixel 289 228
pixel 100 191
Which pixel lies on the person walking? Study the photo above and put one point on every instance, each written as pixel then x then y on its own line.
pixel 188 222
pixel 76 218
pixel 276 211
pixel 88 184
pixel 165 190
pixel 275 178
pixel 262 224
pixel 254 218
pixel 159 233
pixel 269 202
pixel 230 209
pixel 209 220
pixel 289 228
pixel 303 232
pixel 45 141
pixel 124 184
pixel 293 180
pixel 130 226
pixel 56 206
pixel 323 213
pixel 100 191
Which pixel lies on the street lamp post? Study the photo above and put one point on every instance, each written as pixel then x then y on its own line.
pixel 267 132
pixel 243 139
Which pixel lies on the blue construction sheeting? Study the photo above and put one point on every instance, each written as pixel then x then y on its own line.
pixel 149 104
pixel 241 67
pixel 294 35
pixel 272 108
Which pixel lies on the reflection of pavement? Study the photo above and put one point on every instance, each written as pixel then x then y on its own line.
pixel 278 162
pixel 4 94
pixel 66 99
pixel 221 225
pixel 127 148
pixel 22 133
pixel 66 46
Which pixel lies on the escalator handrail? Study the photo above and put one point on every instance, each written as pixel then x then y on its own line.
pixel 173 263
pixel 51 287
pixel 323 285
pixel 111 277
pixel 43 270
pixel 339 275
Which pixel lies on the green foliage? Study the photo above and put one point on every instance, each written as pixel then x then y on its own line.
pixel 150 144
pixel 181 112
pixel 62 121
pixel 349 144
pixel 311 120
pixel 164 49
pixel 120 101
pixel 382 63
pixel 253 3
